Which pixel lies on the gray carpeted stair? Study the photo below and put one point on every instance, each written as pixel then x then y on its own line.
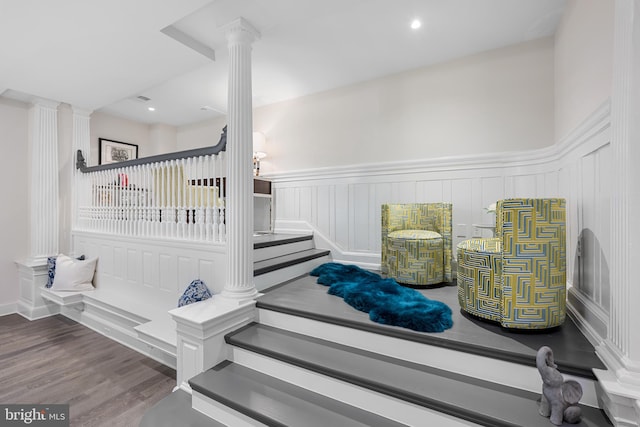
pixel 278 403
pixel 175 410
pixel 284 261
pixel 467 398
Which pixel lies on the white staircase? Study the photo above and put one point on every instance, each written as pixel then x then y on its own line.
pixel 307 363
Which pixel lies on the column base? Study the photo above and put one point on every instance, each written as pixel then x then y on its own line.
pixel 201 328
pixel 240 297
pixel 32 274
pixel 619 396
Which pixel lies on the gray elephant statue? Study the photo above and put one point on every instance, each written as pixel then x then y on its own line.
pixel 559 397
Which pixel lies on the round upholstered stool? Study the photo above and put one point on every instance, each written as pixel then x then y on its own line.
pixel 415 257
pixel 480 277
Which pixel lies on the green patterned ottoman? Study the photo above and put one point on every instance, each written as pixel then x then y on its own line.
pixel 414 257
pixel 479 277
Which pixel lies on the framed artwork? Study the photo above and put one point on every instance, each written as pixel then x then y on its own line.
pixel 115 151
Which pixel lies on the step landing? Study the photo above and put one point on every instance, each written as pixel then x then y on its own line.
pixel 573 353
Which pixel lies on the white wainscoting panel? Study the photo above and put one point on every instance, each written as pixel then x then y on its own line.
pixel 342 205
pixel 156 265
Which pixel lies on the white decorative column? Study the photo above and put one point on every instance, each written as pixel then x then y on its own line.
pixel 44 179
pixel 43 149
pixel 201 327
pixel 239 209
pixel 621 349
pixel 80 188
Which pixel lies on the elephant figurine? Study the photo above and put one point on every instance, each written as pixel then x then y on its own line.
pixel 559 397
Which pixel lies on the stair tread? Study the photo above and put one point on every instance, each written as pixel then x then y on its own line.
pixel 175 410
pixel 269 240
pixel 465 397
pixel 283 261
pixel 276 402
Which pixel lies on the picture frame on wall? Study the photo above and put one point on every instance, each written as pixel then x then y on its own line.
pixel 111 151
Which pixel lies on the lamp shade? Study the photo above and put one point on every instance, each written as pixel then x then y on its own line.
pixel 259 145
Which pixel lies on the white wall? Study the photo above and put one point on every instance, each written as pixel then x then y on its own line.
pixel 500 100
pixel 151 139
pixel 583 62
pixel 14 215
pixel 162 139
pixel 201 134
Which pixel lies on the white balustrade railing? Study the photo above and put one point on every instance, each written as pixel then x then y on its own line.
pixel 182 199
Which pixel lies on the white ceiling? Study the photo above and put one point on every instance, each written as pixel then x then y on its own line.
pixel 102 54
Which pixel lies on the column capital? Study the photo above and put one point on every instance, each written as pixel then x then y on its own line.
pixel 241 31
pixel 46 103
pixel 81 112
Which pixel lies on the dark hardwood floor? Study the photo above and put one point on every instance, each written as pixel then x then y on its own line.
pixel 56 360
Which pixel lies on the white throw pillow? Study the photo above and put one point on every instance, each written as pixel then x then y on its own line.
pixel 73 274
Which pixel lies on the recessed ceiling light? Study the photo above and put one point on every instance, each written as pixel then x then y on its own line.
pixel 415 24
pixel 152 108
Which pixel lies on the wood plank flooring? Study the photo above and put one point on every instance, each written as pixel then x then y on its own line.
pixel 56 360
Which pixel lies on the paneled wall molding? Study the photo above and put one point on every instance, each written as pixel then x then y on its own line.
pixel 621 349
pixel 594 124
pixel 155 265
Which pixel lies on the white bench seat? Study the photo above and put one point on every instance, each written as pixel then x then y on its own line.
pixel 62 298
pixel 160 333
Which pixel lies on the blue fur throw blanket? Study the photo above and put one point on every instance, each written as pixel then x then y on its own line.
pixel 384 299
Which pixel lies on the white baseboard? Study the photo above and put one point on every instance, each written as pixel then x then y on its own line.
pixel 367 260
pixel 585 314
pixel 6 309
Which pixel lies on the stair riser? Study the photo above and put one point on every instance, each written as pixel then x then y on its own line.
pixel 274 251
pixel 485 368
pixel 221 413
pixel 368 400
pixel 126 336
pixel 276 277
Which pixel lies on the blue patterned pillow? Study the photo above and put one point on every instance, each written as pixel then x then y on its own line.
pixel 51 269
pixel 196 291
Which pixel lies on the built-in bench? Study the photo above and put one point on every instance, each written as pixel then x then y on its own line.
pixel 137 287
pixel 138 317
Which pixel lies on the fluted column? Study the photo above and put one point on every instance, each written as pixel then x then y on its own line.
pixel 44 178
pixel 81 140
pixel 621 349
pixel 239 209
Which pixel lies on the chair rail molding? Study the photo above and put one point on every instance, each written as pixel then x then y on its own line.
pixel 597 122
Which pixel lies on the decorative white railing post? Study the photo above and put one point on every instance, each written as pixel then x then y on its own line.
pixel 239 213
pixel 621 349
